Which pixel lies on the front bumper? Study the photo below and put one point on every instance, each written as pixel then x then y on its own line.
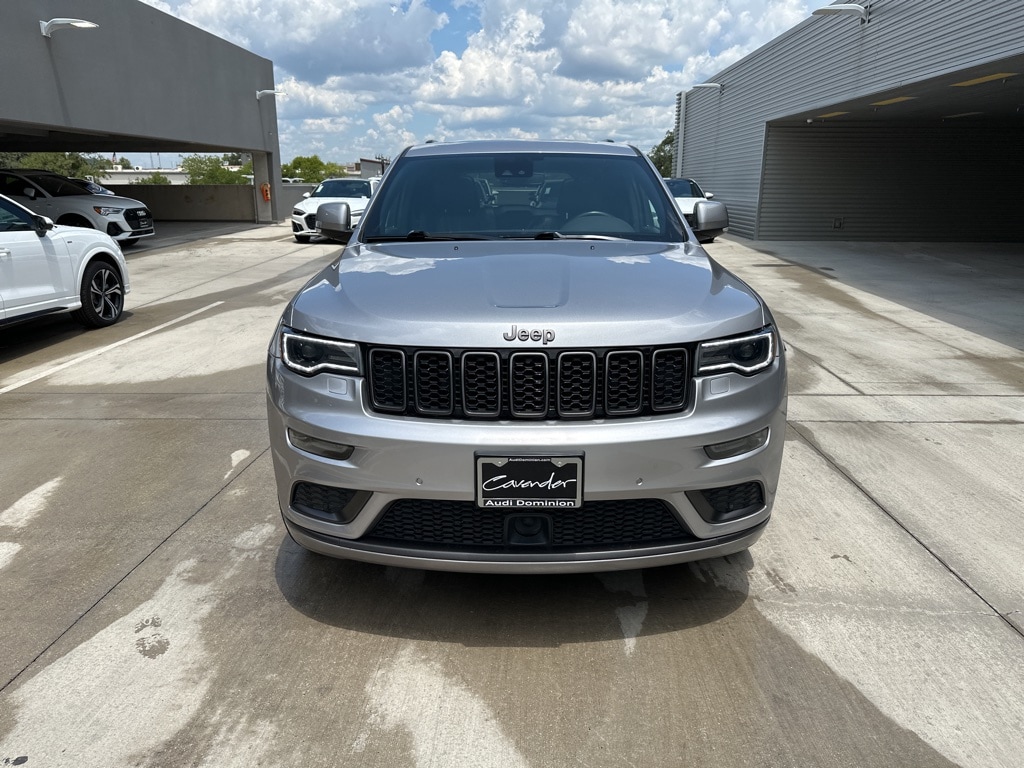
pixel 413 466
pixel 133 224
pixel 305 225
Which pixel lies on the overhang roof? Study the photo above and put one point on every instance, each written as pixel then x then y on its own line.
pixel 992 94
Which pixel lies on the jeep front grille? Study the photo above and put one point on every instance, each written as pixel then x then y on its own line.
pixel 529 384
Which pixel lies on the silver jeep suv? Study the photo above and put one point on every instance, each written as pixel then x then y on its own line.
pixel 525 362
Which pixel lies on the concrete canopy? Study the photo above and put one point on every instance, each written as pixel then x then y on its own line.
pixel 139 81
pixel 997 98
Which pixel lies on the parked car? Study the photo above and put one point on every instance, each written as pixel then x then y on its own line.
pixel 579 389
pixel 47 268
pixel 92 187
pixel 688 193
pixel 66 202
pixel 355 192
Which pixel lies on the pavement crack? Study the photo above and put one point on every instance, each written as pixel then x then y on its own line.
pixel 147 649
pixel 828 459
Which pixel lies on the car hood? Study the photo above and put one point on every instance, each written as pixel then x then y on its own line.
pixel 472 293
pixel 310 204
pixel 107 201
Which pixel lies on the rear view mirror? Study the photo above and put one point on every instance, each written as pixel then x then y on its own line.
pixel 43 224
pixel 334 221
pixel 711 216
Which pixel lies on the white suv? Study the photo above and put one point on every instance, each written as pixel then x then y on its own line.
pixel 67 202
pixel 352 191
pixel 47 268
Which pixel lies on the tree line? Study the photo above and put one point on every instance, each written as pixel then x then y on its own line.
pixel 231 168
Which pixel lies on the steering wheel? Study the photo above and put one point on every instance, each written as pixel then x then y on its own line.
pixel 588 220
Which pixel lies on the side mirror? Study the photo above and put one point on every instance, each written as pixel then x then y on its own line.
pixel 711 217
pixel 305 194
pixel 42 224
pixel 334 221
pixel 709 195
pixel 30 193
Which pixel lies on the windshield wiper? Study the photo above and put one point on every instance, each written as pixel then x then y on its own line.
pixel 552 235
pixel 418 235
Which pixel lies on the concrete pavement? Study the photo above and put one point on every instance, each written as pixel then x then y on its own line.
pixel 156 614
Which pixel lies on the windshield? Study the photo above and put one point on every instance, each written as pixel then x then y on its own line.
pixel 522 195
pixel 342 188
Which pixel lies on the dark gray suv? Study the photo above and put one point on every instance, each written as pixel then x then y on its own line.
pixel 524 362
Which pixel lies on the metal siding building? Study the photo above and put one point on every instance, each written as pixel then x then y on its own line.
pixel 907 125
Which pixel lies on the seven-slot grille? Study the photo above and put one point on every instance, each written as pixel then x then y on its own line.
pixel 529 384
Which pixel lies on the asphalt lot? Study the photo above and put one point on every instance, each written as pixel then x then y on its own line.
pixel 156 614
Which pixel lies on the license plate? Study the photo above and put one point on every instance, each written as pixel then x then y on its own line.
pixel 143 223
pixel 524 482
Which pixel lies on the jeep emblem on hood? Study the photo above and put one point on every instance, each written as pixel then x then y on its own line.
pixel 543 335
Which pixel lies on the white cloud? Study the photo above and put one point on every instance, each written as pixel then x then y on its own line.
pixel 313 39
pixel 368 77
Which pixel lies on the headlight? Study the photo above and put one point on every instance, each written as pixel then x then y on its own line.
pixel 310 355
pixel 102 211
pixel 743 354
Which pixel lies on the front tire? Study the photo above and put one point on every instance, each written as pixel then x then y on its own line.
pixel 302 238
pixel 102 296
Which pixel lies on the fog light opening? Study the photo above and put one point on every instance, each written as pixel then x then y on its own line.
pixel 324 448
pixel 731 448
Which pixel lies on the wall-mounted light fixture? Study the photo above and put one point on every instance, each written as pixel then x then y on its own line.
pixel 853 9
pixel 47 27
pixel 717 86
pixel 268 92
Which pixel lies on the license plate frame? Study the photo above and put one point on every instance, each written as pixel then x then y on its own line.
pixel 527 481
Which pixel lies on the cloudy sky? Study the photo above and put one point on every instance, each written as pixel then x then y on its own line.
pixel 369 77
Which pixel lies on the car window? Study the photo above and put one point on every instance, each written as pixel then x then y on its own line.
pixel 13 186
pixel 683 188
pixel 13 219
pixel 342 188
pixel 521 195
pixel 57 186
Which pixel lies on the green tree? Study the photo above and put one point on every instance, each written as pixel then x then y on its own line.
pixel 312 169
pixel 153 178
pixel 11 159
pixel 64 163
pixel 661 155
pixel 206 169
